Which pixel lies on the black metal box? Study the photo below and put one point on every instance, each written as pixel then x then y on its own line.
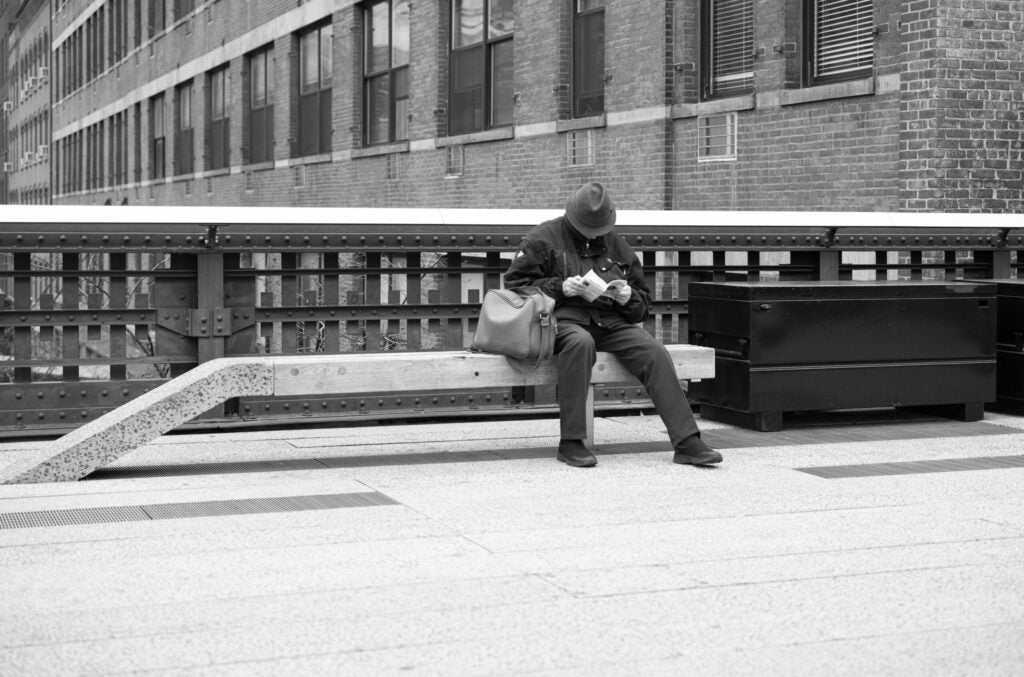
pixel 818 346
pixel 1009 347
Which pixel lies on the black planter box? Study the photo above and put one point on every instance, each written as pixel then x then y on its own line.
pixel 820 346
pixel 1009 347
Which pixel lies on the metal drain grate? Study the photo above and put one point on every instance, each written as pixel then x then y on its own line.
pixel 60 518
pixel 221 468
pixel 160 511
pixel 915 467
pixel 733 438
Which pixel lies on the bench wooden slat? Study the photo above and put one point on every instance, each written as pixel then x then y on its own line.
pixel 401 372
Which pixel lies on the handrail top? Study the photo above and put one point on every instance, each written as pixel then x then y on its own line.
pixel 201 216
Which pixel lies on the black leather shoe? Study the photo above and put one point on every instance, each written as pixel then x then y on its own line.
pixel 693 451
pixel 572 452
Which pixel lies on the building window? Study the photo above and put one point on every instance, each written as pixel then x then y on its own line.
pixel 316 69
pixel 716 137
pixel 386 72
pixel 455 162
pixel 261 110
pixel 217 137
pixel 588 58
pixel 839 39
pixel 156 126
pixel 183 136
pixel 480 67
pixel 727 48
pixel 157 16
pixel 580 147
pixel 183 8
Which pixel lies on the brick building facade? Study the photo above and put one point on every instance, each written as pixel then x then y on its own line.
pixel 675 104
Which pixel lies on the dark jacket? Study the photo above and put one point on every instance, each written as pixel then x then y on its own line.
pixel 554 251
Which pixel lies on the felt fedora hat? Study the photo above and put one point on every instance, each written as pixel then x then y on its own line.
pixel 590 210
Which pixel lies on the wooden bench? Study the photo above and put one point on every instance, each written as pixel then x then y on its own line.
pixel 162 409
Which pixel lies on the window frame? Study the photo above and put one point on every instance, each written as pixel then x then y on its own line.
pixel 811 43
pixel 488 45
pixel 260 113
pixel 157 137
pixel 218 126
pixel 708 62
pixel 184 133
pixel 395 74
pixel 313 99
pixel 586 44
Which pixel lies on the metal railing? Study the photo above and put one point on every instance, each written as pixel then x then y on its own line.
pixel 101 304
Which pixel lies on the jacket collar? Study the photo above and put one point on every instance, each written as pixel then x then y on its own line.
pixel 584 246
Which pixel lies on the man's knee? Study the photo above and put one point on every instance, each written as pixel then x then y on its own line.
pixel 575 340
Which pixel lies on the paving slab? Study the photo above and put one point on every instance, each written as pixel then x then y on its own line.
pixel 497 560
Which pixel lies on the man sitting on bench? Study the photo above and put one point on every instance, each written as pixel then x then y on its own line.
pixel 562 257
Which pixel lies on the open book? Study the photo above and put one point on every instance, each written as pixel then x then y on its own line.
pixel 596 287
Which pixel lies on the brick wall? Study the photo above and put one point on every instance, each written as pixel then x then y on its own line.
pixel 961 134
pixel 884 143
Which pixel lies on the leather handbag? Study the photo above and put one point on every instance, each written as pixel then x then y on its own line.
pixel 517 323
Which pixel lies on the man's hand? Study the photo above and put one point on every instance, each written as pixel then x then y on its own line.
pixel 573 286
pixel 621 294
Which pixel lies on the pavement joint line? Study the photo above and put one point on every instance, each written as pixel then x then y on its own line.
pixel 191 509
pixel 893 468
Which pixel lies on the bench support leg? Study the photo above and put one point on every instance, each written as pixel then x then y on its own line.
pixel 589 441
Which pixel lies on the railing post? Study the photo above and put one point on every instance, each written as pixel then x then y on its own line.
pixel 210 275
pixel 176 295
pixel 70 296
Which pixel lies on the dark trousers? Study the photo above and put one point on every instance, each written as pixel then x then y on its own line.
pixel 642 354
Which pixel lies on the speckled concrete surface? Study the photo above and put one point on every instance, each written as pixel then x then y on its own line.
pixel 496 561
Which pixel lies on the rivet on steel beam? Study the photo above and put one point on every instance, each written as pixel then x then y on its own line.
pixel 380 239
pixel 167 239
pixel 127 239
pixel 436 239
pixel 306 239
pixel 147 239
pixel 124 392
pixel 472 239
pixel 287 239
pixel 62 415
pixel 344 239
pixel 453 238
pixel 63 238
pixel 85 414
pixel 248 239
pixel 18 238
pixel 41 239
pixel 325 239
pixel 267 239
pixel 362 239
pixel 40 394
pixel 106 238
pixel 85 238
